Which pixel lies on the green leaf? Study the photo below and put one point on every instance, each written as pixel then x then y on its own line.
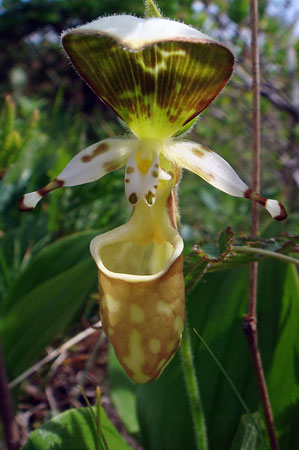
pixel 50 262
pixel 222 255
pixel 74 429
pixel 45 298
pixel 218 251
pixel 44 312
pixel 123 393
pixel 163 412
pixel 216 308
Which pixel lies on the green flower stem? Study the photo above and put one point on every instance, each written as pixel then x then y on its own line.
pixel 267 253
pixel 193 391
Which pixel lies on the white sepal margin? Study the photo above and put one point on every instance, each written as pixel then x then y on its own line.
pixel 135 33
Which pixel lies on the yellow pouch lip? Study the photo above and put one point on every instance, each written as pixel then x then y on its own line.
pixel 125 233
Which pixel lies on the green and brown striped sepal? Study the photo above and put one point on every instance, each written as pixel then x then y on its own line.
pixel 157 84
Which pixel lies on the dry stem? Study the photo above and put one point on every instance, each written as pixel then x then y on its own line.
pixel 250 320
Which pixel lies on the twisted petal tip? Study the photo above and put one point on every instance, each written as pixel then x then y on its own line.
pixel 29 201
pixel 276 209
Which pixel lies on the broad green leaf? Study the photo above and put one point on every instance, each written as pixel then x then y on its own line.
pixel 163 412
pixel 123 393
pixel 75 430
pixel 215 309
pixel 42 313
pixel 50 262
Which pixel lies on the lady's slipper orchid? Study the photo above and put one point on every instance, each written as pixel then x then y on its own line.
pixel 157 75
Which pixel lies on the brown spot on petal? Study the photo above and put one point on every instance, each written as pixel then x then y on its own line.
pixel 155 173
pixel 109 166
pixel 101 148
pixel 155 186
pixel 149 197
pixel 86 158
pixel 127 180
pixel 130 169
pixel 133 198
pixel 208 177
pixel 198 152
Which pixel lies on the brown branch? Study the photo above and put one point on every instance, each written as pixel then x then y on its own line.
pixel 250 320
pixel 10 428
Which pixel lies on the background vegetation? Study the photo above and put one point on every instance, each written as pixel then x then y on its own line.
pixel 47 278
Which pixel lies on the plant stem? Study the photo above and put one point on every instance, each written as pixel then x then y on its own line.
pixel 193 391
pixel 10 428
pixel 250 319
pixel 262 252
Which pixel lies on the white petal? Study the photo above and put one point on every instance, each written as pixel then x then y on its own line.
pixel 133 181
pixel 139 185
pixel 89 165
pixel 216 171
pixel 135 33
pixel 151 182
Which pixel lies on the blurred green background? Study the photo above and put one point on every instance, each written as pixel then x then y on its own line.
pixel 48 115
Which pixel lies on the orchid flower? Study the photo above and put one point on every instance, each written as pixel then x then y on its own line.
pixel 158 75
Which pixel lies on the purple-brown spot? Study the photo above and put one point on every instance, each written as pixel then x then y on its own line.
pixel 149 197
pixel 133 198
pixel 86 158
pixel 155 173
